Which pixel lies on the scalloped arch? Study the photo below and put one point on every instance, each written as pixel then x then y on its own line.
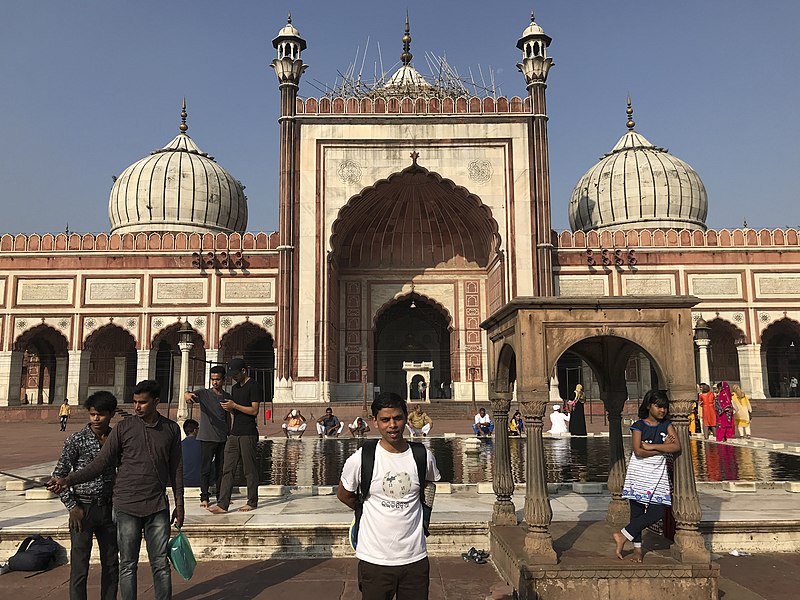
pixel 415 218
pixel 441 308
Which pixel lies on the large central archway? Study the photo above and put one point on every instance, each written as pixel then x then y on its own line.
pixel 414 228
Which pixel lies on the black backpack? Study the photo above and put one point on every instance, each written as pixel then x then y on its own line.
pixel 35 553
pixel 368 465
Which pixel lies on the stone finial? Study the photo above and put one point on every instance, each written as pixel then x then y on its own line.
pixel 183 127
pixel 406 56
pixel 629 111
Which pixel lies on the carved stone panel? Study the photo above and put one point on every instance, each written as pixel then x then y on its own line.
pixel 45 291
pixel 582 285
pixel 253 290
pixel 170 291
pixel 778 285
pixel 648 285
pixel 112 291
pixel 715 286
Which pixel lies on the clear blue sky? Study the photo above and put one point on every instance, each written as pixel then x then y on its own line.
pixel 88 87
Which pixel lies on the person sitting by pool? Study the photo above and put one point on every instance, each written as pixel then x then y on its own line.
pixel 483 425
pixel 516 426
pixel 295 423
pixel 559 422
pixel 359 427
pixel 419 423
pixel 329 425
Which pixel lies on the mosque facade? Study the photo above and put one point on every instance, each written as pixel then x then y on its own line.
pixel 407 216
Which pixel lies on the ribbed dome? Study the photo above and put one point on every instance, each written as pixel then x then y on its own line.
pixel 177 188
pixel 637 186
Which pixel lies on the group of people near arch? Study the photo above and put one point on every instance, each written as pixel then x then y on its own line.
pixel 720 411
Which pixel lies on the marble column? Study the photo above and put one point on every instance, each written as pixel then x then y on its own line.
pixel 689 546
pixel 618 510
pixel 120 370
pixel 503 512
pixel 538 513
pixel 61 379
pixel 750 370
pixel 705 370
pixel 10 377
pixel 143 366
pixel 183 412
pixel 78 375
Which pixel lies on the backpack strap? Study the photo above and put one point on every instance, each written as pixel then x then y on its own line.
pixel 367 466
pixel 23 547
pixel 421 459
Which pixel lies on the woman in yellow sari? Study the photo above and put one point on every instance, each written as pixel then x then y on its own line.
pixel 743 411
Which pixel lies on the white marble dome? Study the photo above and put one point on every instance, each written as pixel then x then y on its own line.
pixel 177 188
pixel 638 186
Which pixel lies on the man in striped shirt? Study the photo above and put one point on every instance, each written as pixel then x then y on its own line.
pixel 89 503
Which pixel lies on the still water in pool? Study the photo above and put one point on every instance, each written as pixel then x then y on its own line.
pixel 320 461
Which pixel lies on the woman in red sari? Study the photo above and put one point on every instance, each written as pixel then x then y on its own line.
pixel 707 406
pixel 724 409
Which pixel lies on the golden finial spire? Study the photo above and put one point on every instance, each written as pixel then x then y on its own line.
pixel 406 56
pixel 184 127
pixel 629 111
pixel 290 18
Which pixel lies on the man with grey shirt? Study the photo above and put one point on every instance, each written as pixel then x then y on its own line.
pixel 213 429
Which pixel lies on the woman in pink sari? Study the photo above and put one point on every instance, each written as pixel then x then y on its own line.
pixel 724 408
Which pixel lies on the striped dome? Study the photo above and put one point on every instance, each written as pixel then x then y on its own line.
pixel 177 188
pixel 638 186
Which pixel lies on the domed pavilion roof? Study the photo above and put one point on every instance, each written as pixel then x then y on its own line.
pixel 638 186
pixel 177 188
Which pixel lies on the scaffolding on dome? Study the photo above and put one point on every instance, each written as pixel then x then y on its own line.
pixel 441 81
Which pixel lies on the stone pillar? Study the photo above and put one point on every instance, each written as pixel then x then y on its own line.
pixel 78 375
pixel 751 370
pixel 764 375
pixel 61 379
pixel 618 511
pixel 143 366
pixel 10 377
pixel 689 546
pixel 538 513
pixel 705 370
pixel 503 512
pixel 182 412
pixel 120 368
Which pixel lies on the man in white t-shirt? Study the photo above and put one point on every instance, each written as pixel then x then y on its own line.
pixel 559 422
pixel 483 425
pixel 393 558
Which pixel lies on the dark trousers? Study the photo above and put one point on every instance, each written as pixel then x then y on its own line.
pixel 403 582
pixel 239 448
pixel 156 537
pixel 642 517
pixel 97 522
pixel 211 451
pixel 63 420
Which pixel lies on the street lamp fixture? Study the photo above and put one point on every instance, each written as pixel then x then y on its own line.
pixel 185 343
pixel 701 329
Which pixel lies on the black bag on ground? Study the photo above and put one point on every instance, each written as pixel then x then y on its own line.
pixel 35 553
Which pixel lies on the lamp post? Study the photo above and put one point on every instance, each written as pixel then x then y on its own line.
pixel 702 339
pixel 185 343
pixel 473 375
pixel 364 383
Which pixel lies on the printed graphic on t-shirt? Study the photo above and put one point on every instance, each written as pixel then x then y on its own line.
pixel 396 486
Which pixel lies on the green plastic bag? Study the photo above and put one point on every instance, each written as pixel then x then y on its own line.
pixel 181 556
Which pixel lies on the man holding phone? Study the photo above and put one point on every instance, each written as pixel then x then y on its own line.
pixel 213 430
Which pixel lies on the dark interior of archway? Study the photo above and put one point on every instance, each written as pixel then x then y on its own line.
pixel 41 346
pixel 782 344
pixel 416 334
pixel 413 220
pixel 105 346
pixel 169 353
pixel 571 370
pixel 257 348
pixel 723 359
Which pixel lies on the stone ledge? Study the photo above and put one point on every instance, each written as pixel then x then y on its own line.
pixel 39 493
pixel 18 485
pixel 792 486
pixel 444 487
pixel 739 486
pixel 585 488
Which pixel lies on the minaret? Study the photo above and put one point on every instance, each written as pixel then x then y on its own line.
pixel 534 66
pixel 288 67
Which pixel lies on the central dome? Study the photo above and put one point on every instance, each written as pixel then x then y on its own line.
pixel 177 188
pixel 638 186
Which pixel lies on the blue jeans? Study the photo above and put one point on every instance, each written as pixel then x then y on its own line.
pixel 483 428
pixel 129 540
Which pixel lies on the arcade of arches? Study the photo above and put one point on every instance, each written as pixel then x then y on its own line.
pixel 46 371
pixel 415 267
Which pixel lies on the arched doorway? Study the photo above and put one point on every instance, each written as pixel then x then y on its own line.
pixel 413 229
pixel 639 375
pixel 44 365
pixel 411 334
pixel 112 362
pixel 723 358
pixel 781 344
pixel 168 362
pixel 257 347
